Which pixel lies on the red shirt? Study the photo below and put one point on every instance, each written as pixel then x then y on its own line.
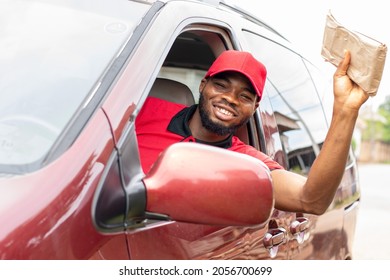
pixel 160 124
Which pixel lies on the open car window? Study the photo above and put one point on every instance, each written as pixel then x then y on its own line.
pixel 187 62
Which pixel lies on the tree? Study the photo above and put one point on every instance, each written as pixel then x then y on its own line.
pixel 384 111
pixel 378 123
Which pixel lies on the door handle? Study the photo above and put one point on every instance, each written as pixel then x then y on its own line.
pixel 273 239
pixel 298 228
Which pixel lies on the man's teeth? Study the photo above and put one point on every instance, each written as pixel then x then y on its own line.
pixel 225 112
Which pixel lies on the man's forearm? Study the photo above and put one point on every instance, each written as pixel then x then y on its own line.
pixel 328 169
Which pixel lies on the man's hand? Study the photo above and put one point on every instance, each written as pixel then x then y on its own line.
pixel 348 95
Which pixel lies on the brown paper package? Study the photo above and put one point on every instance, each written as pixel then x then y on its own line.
pixel 367 55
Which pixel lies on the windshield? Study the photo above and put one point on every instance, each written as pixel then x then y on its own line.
pixel 52 53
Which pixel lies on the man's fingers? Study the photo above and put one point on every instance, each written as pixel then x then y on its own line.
pixel 344 64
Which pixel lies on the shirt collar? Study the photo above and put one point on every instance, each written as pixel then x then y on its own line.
pixel 179 125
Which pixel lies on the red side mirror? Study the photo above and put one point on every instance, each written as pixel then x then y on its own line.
pixel 201 184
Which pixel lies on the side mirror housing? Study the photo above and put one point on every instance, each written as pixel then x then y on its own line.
pixel 197 183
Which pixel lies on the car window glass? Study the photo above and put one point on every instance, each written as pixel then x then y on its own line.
pixel 51 55
pixel 295 101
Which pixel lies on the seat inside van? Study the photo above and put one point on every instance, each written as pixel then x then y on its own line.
pixel 172 91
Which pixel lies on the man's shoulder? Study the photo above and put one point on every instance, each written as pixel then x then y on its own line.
pixel 158 104
pixel 156 108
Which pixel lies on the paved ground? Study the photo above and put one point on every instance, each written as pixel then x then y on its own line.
pixel 372 237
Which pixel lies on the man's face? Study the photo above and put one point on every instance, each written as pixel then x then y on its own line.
pixel 226 102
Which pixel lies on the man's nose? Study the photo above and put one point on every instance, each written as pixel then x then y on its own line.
pixel 231 96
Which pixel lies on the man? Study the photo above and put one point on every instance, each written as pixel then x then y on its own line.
pixel 230 92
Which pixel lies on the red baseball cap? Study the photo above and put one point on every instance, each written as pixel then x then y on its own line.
pixel 242 62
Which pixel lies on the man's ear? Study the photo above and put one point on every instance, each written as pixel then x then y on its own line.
pixel 257 104
pixel 203 83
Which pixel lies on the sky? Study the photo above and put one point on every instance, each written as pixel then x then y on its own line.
pixel 302 22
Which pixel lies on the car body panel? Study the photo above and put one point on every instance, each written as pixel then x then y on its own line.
pixel 51 217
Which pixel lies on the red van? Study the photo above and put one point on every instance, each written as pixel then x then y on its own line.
pixel 74 76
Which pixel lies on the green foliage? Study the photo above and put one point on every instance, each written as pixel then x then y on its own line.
pixel 373 131
pixel 379 130
pixel 386 105
pixel 384 111
pixel 353 143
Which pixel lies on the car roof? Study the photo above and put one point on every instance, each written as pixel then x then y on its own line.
pixel 228 6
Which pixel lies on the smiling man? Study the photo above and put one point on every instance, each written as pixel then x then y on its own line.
pixel 230 92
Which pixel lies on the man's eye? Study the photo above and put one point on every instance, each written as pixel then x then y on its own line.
pixel 247 97
pixel 222 85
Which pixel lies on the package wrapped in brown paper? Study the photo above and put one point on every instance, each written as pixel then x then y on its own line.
pixel 367 55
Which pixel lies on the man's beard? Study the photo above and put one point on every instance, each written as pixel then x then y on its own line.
pixel 214 127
